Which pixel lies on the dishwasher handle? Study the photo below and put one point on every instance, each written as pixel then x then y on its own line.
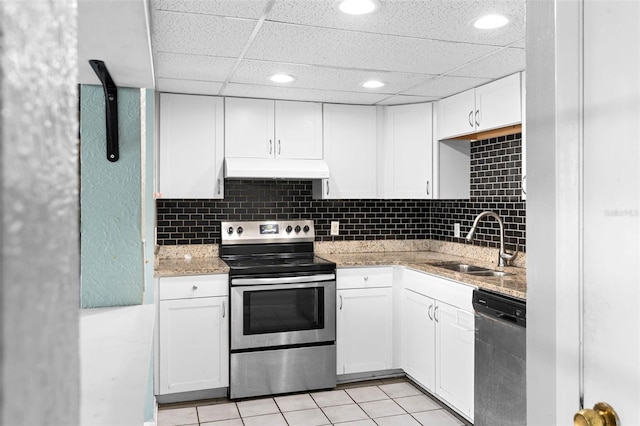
pixel 506 317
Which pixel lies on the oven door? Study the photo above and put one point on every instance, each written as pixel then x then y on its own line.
pixel 272 312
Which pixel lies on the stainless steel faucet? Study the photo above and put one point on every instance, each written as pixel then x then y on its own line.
pixel 503 256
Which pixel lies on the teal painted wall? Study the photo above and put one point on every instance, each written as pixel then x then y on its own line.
pixel 111 202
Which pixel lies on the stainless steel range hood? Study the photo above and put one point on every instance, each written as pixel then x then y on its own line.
pixel 272 168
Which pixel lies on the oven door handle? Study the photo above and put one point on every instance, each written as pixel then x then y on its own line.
pixel 283 280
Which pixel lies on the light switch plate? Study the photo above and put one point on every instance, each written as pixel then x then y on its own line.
pixel 335 227
pixel 456 230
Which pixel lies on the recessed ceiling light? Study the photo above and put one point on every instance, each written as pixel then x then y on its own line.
pixel 372 84
pixel 357 7
pixel 281 78
pixel 489 22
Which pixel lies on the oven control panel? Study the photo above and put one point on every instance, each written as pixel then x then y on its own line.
pixel 259 232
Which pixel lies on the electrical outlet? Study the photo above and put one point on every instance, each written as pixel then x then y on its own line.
pixel 456 230
pixel 335 227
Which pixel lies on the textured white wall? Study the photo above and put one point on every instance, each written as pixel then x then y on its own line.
pixel 39 278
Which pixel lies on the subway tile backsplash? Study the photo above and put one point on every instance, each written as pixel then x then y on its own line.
pixel 495 185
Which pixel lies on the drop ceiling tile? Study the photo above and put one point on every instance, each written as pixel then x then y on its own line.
pixel 325 78
pixel 439 20
pixel 502 63
pixel 406 99
pixel 192 67
pixel 291 93
pixel 188 86
pixel 338 48
pixel 234 8
pixel 200 34
pixel 444 86
pixel 520 43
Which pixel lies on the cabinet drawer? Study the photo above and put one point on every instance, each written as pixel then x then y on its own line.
pixel 364 277
pixel 193 286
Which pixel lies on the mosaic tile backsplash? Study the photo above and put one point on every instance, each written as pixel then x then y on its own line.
pixel 495 176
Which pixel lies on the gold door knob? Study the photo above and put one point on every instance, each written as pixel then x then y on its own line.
pixel 601 415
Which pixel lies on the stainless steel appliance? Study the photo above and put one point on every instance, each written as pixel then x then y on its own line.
pixel 500 360
pixel 282 309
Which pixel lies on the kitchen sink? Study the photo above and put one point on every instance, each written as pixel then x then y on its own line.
pixel 463 267
pixel 478 271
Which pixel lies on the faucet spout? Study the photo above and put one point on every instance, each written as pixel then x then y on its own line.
pixel 503 256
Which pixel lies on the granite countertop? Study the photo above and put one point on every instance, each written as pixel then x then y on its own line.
pixel 514 285
pixel 172 267
pixel 190 260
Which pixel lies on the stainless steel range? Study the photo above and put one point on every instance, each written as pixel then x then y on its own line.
pixel 282 307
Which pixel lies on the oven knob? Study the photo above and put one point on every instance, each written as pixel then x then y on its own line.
pixel 239 230
pixel 297 228
pixel 289 229
pixel 230 230
pixel 306 228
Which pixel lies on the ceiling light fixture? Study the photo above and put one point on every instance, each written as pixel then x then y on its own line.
pixel 281 78
pixel 357 7
pixel 490 22
pixel 372 84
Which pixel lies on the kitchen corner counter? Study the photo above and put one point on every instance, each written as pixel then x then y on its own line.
pixel 514 285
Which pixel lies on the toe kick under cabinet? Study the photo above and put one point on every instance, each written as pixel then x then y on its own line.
pixel 193 333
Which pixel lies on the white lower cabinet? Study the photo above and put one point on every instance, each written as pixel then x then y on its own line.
pixel 418 338
pixel 364 320
pixel 455 337
pixel 438 338
pixel 193 333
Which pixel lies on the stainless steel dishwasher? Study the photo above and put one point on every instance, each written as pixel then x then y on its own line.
pixel 500 360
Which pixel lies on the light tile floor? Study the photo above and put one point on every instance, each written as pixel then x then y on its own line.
pixel 392 402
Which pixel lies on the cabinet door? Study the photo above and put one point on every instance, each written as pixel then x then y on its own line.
pixel 498 103
pixel 194 344
pixel 298 130
pixel 408 153
pixel 191 146
pixel 350 151
pixel 456 115
pixel 363 331
pixel 418 340
pixel 249 128
pixel 455 357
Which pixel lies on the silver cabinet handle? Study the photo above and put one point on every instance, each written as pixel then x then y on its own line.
pixel 366 279
pixel 477 117
pixel 327 187
pixel 427 187
pixel 429 312
pixel 270 146
pixel 340 302
pixel 435 313
pixel 471 118
pixel 523 185
pixel 224 309
pixel 219 187
pixel 279 147
pixel 195 287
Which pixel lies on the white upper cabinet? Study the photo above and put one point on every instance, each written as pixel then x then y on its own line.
pixel 350 150
pixel 408 160
pixel 491 106
pixel 191 146
pixel 298 130
pixel 264 128
pixel 456 114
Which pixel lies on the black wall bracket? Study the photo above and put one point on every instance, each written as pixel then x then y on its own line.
pixel 111 107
